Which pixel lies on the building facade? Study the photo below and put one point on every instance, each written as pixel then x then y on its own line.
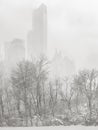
pixel 37 37
pixel 14 53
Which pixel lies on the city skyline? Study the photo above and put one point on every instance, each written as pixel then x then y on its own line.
pixel 72 28
pixel 35 46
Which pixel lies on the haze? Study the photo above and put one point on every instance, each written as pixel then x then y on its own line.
pixel 72 27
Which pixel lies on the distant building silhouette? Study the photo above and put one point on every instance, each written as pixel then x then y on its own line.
pixel 61 66
pixel 14 52
pixel 1 52
pixel 37 37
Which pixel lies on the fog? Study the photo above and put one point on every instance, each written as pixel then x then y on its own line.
pixel 72 27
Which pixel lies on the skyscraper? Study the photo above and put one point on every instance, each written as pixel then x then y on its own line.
pixel 37 37
pixel 14 53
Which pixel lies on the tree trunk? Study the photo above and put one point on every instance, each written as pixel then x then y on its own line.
pixel 90 110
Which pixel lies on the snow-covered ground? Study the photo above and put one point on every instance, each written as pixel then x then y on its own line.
pixel 53 128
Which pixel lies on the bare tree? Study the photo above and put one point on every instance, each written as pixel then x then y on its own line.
pixel 21 79
pixel 28 81
pixel 87 80
pixel 54 88
pixel 67 95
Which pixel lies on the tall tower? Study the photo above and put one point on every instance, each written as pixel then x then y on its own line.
pixel 37 38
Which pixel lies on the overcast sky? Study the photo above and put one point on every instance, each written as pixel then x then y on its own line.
pixel 72 26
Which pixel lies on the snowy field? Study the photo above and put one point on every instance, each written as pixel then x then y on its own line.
pixel 52 128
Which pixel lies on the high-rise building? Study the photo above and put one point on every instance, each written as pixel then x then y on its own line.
pixel 14 53
pixel 37 37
